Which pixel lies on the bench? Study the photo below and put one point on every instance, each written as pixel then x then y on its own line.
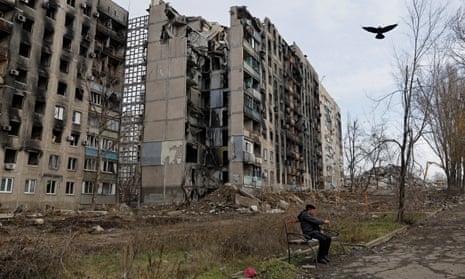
pixel 294 236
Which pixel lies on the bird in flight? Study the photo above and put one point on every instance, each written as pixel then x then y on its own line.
pixel 379 30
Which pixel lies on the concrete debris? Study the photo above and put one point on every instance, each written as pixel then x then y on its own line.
pixel 275 211
pixel 96 229
pixel 174 213
pixel 39 221
pixel 254 208
pixel 245 201
pixel 283 205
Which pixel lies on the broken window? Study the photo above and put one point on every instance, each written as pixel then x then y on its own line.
pixel 45 59
pixel 90 165
pixel 14 128
pixel 64 66
pixel 87 187
pixel 36 133
pixel 27 25
pixel 72 3
pixel 59 112
pixel 51 12
pixel 109 166
pixel 74 139
pixel 51 187
pixel 69 190
pixel 56 136
pixel 54 162
pixel 85 32
pixel 33 158
pixel 72 163
pixel 17 101
pixel 10 156
pixel 61 90
pixel 69 19
pixel 191 153
pixel 48 36
pixel 22 76
pixel 66 43
pixel 24 50
pixel 42 83
pixel 83 51
pixel 108 188
pixel 79 94
pixel 30 186
pixel 39 107
pixel 7 185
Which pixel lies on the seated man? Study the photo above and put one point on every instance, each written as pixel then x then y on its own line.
pixel 311 226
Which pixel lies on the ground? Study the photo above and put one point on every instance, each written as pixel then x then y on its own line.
pixel 98 232
pixel 432 248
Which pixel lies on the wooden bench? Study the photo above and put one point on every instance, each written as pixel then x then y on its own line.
pixel 294 236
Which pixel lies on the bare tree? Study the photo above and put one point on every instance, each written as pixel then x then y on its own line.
pixel 375 152
pixel 425 24
pixel 447 124
pixel 353 152
pixel 104 118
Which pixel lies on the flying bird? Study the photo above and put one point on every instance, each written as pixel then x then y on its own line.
pixel 379 30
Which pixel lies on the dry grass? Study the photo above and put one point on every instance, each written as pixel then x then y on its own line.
pixel 215 248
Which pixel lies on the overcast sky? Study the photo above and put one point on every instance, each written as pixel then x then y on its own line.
pixel 352 65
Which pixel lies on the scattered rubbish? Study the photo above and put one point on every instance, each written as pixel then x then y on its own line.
pixel 96 229
pixel 250 272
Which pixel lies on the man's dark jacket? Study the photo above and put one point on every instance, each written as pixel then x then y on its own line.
pixel 309 223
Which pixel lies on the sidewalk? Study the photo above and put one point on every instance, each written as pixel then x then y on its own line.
pixel 434 248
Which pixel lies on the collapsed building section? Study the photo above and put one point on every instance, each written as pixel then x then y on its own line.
pixel 226 105
pixel 184 154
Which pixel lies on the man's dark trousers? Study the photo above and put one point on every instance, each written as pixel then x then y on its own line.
pixel 324 241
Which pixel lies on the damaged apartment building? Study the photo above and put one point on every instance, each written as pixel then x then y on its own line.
pixel 223 105
pixel 61 82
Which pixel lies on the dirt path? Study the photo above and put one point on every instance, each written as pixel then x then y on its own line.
pixel 434 248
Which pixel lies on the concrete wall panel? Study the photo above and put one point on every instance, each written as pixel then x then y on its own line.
pixel 176 108
pixel 156 110
pixel 154 131
pixel 176 129
pixel 156 90
pixel 177 87
pixel 177 67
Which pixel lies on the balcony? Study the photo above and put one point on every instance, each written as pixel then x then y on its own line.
pixel 6 26
pixel 252 114
pixel 249 158
pixel 254 93
pixel 251 71
pixel 3 54
pixel 93 152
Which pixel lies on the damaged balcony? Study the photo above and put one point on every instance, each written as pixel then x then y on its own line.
pixel 6 27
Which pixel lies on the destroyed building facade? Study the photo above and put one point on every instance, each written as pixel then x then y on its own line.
pixel 61 80
pixel 230 104
pixel 331 135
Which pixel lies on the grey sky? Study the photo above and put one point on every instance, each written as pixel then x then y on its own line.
pixel 351 64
